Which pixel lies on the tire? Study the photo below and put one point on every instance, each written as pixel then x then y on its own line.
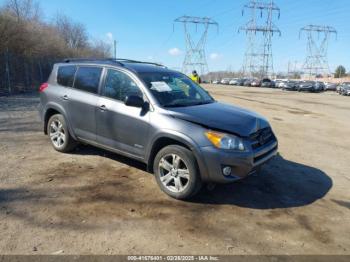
pixel 190 182
pixel 61 140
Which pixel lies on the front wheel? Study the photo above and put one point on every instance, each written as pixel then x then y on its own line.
pixel 176 172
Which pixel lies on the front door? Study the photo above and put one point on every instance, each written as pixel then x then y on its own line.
pixel 121 127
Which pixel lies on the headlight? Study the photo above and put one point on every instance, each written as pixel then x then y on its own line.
pixel 225 141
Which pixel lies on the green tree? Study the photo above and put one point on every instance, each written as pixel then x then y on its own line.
pixel 340 72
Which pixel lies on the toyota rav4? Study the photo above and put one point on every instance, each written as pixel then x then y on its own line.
pixel 152 114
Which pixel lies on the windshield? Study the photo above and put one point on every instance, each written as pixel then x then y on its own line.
pixel 173 89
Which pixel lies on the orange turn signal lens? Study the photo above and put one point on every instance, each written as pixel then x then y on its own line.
pixel 214 137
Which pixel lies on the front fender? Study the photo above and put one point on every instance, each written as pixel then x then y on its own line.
pixel 184 139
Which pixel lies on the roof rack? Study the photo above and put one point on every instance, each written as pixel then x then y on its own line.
pixel 119 61
pixel 137 62
pixel 87 60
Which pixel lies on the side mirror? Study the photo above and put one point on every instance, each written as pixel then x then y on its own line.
pixel 134 101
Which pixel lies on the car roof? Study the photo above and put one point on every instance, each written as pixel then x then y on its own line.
pixel 136 66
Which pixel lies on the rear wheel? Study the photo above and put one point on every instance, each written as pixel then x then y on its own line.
pixel 176 172
pixel 59 135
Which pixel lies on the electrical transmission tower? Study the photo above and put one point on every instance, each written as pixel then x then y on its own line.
pixel 258 56
pixel 195 58
pixel 316 62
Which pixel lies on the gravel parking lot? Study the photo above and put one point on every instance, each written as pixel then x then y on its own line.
pixel 95 202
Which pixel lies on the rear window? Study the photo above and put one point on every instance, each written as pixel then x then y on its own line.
pixel 65 75
pixel 88 79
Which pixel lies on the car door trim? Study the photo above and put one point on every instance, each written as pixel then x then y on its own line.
pixel 117 151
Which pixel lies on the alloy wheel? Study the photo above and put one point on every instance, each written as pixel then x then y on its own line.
pixel 57 133
pixel 174 173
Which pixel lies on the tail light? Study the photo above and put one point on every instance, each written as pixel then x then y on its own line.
pixel 43 87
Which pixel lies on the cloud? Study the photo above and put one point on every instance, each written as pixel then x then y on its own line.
pixel 109 36
pixel 215 56
pixel 174 51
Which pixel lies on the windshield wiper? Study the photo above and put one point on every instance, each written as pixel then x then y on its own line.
pixel 177 105
pixel 202 103
pixel 188 104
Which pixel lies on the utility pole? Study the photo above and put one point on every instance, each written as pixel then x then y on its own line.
pixel 288 69
pixel 258 56
pixel 7 69
pixel 195 58
pixel 316 61
pixel 115 49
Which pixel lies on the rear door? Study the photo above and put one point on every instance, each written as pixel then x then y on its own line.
pixel 63 85
pixel 82 101
pixel 121 127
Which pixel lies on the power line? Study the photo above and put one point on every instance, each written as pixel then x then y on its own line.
pixel 195 58
pixel 316 61
pixel 258 56
pixel 155 54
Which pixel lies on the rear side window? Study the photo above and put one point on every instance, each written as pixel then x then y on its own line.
pixel 65 75
pixel 88 79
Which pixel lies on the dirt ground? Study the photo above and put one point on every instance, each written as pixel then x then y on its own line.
pixel 95 202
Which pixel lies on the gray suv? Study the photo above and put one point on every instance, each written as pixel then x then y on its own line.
pixel 155 115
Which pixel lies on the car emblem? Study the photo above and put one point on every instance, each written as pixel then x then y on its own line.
pixel 262 139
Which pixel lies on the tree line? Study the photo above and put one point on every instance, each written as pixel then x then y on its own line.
pixel 29 45
pixel 340 72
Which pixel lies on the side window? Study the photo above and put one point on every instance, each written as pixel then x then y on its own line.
pixel 119 86
pixel 88 79
pixel 65 75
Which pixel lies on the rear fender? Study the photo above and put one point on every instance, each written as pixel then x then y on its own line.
pixel 62 111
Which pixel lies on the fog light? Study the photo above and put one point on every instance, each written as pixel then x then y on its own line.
pixel 227 171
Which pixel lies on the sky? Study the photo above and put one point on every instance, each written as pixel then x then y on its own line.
pixel 144 29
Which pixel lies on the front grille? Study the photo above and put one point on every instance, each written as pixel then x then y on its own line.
pixel 258 158
pixel 261 138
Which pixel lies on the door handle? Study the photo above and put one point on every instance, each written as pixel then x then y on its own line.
pixel 103 108
pixel 65 97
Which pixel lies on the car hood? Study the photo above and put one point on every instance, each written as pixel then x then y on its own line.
pixel 220 116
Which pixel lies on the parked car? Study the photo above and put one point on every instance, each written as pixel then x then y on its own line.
pixel 289 85
pixel 240 81
pixel 298 83
pixel 279 82
pixel 331 86
pixel 225 81
pixel 215 82
pixel 311 86
pixel 155 115
pixel 345 90
pixel 319 86
pixel 255 83
pixel 306 86
pixel 248 82
pixel 234 81
pixel 267 83
pixel 341 86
